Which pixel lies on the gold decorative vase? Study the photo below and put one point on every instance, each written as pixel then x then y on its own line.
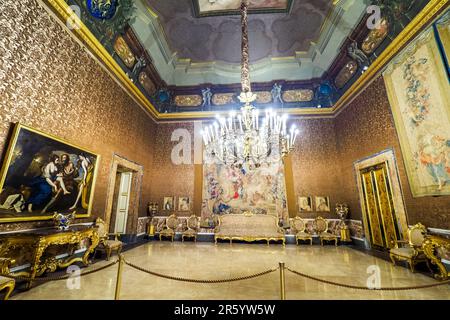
pixel 342 212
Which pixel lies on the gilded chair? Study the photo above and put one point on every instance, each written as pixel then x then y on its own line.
pixel 411 250
pixel 169 228
pixel 321 227
pixel 7 284
pixel 192 228
pixel 299 226
pixel 105 244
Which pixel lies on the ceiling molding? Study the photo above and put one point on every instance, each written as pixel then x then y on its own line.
pixel 62 11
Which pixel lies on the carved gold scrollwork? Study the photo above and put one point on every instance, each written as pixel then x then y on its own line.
pixel 36 245
pixel 430 247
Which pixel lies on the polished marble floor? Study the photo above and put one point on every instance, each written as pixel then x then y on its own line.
pixel 207 261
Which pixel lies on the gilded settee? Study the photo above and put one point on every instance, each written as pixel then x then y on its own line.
pixel 249 227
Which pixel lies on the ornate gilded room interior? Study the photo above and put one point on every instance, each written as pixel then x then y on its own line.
pixel 225 149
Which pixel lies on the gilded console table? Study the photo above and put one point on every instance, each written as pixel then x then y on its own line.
pixel 430 247
pixel 36 243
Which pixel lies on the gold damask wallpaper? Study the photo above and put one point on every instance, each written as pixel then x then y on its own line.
pixel 315 164
pixel 169 179
pixel 47 81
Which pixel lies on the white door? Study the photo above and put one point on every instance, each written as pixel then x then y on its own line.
pixel 122 202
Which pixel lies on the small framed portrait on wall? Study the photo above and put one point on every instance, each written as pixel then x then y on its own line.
pixel 168 203
pixel 305 204
pixel 184 204
pixel 322 204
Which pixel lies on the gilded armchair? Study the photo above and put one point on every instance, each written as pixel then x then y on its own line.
pixel 299 226
pixel 192 228
pixel 105 244
pixel 321 227
pixel 169 228
pixel 412 251
pixel 6 283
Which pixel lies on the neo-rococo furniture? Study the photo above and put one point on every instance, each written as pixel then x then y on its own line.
pixel 431 246
pixel 411 250
pixel 105 244
pixel 249 227
pixel 192 228
pixel 169 228
pixel 35 243
pixel 321 227
pixel 7 284
pixel 299 227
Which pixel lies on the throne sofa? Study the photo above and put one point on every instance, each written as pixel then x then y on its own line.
pixel 249 227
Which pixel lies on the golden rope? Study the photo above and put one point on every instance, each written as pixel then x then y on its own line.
pixel 367 288
pixel 259 274
pixel 56 278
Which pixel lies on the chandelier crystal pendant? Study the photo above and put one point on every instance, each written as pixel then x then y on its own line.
pixel 246 137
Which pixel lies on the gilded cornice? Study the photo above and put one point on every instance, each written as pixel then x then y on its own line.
pixel 61 9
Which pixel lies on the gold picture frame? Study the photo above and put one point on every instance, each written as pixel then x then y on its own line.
pixel 305 204
pixel 34 156
pixel 184 203
pixel 168 204
pixel 322 204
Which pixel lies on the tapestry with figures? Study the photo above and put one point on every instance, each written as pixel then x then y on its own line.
pixel 240 188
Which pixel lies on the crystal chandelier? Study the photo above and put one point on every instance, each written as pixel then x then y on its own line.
pixel 245 137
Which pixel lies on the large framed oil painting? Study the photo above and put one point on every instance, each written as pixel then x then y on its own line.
pixel 419 94
pixel 242 188
pixel 42 174
pixel 205 8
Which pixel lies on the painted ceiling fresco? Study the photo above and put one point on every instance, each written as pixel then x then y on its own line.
pixel 232 6
pixel 218 38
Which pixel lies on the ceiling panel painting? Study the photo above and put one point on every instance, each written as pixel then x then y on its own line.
pixel 227 7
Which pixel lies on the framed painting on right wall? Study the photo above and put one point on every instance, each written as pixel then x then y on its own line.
pixel 419 94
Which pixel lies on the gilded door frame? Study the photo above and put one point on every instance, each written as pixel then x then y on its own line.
pixel 388 157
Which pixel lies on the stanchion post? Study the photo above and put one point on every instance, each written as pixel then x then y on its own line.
pixel 282 282
pixel 119 278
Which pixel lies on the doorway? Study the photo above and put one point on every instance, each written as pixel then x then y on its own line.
pixel 123 202
pixel 381 199
pixel 378 203
pixel 124 197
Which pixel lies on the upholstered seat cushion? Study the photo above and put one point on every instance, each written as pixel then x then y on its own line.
pixel 242 226
pixel 189 233
pixel 327 235
pixel 4 280
pixel 167 232
pixel 113 243
pixel 303 235
pixel 405 252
